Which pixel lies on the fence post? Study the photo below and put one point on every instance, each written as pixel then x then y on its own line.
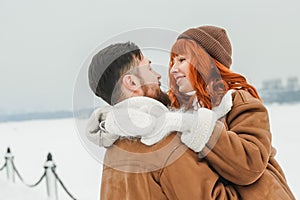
pixel 50 178
pixel 10 172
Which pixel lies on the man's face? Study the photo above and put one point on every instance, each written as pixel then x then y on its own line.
pixel 150 81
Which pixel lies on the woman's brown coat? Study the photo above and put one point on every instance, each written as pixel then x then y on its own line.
pixel 240 151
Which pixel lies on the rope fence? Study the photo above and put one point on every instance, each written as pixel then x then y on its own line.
pixel 49 174
pixel 62 184
pixel 3 167
pixel 22 180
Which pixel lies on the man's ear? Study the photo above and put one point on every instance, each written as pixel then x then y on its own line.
pixel 131 82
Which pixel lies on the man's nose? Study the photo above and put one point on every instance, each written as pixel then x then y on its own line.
pixel 157 74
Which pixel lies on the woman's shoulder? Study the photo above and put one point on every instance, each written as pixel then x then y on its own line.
pixel 244 102
pixel 240 97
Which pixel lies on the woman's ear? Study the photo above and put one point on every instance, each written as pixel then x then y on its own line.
pixel 131 82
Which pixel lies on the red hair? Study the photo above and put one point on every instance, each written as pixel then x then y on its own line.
pixel 209 78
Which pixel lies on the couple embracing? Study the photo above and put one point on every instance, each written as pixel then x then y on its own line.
pixel 208 137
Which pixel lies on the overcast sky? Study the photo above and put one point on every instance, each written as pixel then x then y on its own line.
pixel 43 44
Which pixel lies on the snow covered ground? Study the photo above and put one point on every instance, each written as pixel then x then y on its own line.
pixel 30 142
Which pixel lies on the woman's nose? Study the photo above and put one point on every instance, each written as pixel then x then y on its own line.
pixel 174 68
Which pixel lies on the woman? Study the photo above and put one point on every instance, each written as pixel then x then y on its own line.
pixel 239 148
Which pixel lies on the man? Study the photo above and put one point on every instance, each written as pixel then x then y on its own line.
pixel 146 162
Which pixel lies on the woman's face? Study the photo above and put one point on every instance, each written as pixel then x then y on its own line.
pixel 181 73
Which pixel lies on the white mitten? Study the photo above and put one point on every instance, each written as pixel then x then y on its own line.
pixel 106 138
pixel 225 105
pixel 96 117
pixel 198 134
pixel 168 122
pixel 203 124
pixel 151 128
pixel 96 134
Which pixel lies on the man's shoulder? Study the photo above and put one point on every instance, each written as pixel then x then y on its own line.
pixel 134 145
pixel 133 156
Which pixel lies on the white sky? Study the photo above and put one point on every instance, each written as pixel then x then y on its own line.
pixel 43 44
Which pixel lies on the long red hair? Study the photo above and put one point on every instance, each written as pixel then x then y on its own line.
pixel 210 79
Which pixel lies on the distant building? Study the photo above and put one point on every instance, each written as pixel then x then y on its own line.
pixel 273 91
pixel 292 84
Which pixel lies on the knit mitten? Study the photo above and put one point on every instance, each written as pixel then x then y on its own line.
pixel 97 134
pixel 200 129
pixel 202 125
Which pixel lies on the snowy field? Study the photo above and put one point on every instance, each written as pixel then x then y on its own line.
pixel 30 142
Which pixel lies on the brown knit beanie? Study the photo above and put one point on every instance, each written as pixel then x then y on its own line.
pixel 212 39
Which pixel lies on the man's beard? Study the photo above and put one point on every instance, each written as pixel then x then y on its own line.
pixel 157 94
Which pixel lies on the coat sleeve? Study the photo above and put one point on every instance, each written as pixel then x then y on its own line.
pixel 240 152
pixel 186 178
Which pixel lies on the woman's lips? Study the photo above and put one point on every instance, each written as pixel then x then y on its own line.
pixel 178 79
